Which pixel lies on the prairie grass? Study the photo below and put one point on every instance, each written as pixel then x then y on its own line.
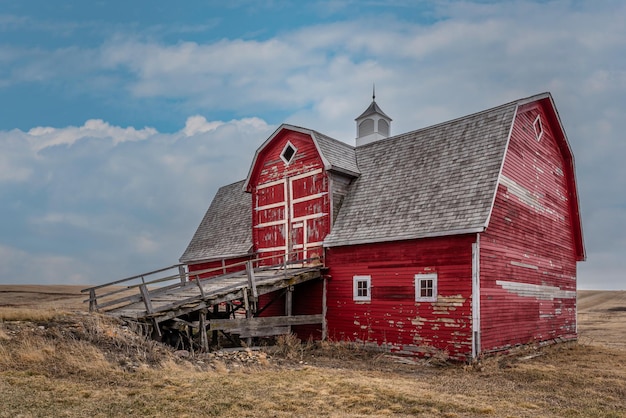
pixel 87 365
pixel 75 365
pixel 28 314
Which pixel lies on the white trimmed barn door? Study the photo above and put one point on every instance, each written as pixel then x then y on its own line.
pixel 308 221
pixel 290 219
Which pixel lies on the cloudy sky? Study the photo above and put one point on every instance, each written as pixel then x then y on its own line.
pixel 119 120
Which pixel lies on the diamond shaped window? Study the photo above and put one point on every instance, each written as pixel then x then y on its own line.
pixel 538 128
pixel 288 153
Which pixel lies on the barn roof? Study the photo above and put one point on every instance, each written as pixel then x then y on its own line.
pixel 226 229
pixel 440 180
pixel 338 155
pixel 435 181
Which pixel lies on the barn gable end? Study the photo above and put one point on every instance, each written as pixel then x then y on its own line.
pixel 528 253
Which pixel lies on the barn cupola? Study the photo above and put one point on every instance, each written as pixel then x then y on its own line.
pixel 373 125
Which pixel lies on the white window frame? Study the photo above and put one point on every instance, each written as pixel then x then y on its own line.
pixel 538 127
pixel 419 278
pixel 295 150
pixel 355 288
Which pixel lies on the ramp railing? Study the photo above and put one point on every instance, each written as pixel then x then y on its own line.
pixel 145 286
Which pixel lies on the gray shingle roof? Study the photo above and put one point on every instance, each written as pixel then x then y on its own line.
pixel 226 229
pixel 339 155
pixel 435 181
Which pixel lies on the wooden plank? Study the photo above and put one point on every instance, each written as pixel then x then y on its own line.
pixel 229 325
pixel 146 298
pixel 262 332
pixel 324 309
pixel 204 341
pixel 251 280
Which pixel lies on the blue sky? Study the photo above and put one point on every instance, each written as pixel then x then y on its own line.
pixel 119 120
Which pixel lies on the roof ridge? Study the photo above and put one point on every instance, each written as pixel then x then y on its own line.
pixel 517 102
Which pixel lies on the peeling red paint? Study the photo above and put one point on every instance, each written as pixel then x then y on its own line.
pixel 291 203
pixel 395 321
pixel 528 253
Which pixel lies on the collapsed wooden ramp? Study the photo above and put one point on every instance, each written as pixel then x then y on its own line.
pixel 226 302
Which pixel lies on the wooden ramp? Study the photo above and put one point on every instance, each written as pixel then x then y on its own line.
pixel 184 295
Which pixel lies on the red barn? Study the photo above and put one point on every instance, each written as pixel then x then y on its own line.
pixel 461 237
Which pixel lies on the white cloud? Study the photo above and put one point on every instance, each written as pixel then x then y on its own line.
pixel 198 124
pixel 118 200
pixel 44 137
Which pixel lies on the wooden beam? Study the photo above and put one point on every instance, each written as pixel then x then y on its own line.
pixel 93 305
pixel 145 295
pixel 262 332
pixel 182 273
pixel 202 295
pixel 238 324
pixel 289 304
pixel 204 341
pixel 324 310
pixel 252 280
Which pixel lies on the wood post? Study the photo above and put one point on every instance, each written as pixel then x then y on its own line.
pixel 324 308
pixel 216 311
pixel 252 280
pixel 145 295
pixel 246 304
pixel 289 303
pixel 204 341
pixel 93 304
pixel 156 327
pixel 182 273
pixel 200 287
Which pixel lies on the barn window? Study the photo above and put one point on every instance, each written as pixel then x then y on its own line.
pixel 288 153
pixel 538 128
pixel 366 127
pixel 426 287
pixel 383 127
pixel 362 288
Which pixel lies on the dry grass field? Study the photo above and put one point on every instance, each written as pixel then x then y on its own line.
pixel 57 360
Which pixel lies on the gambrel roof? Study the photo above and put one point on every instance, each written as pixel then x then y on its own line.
pixel 226 229
pixel 436 181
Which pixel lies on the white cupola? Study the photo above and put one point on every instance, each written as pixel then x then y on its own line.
pixel 373 125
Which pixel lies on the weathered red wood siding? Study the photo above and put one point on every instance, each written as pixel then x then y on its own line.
pixel 227 266
pixel 291 203
pixel 393 319
pixel 528 253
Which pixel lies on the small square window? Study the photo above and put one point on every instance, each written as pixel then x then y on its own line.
pixel 538 128
pixel 426 287
pixel 288 153
pixel 362 288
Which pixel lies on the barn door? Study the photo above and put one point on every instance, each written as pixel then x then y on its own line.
pixel 308 215
pixel 290 218
pixel 271 222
